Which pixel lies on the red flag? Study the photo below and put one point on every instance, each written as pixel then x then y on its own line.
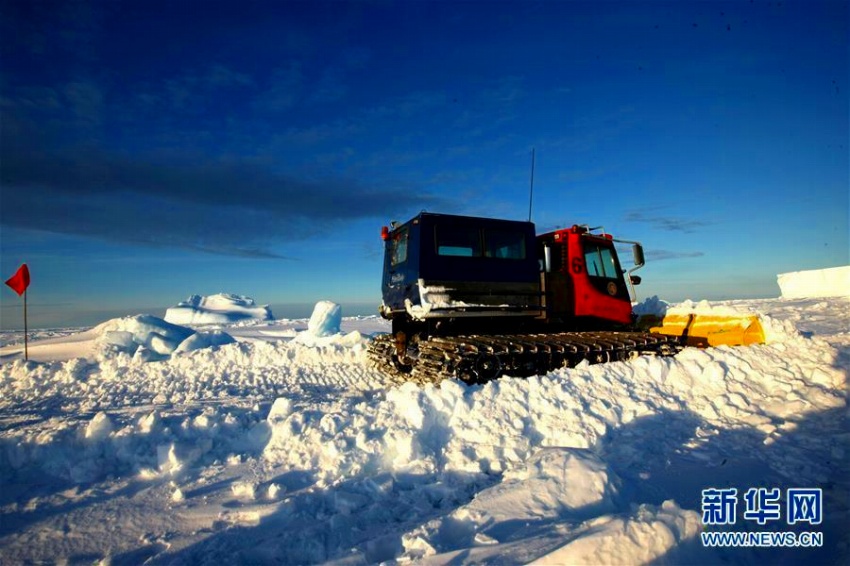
pixel 20 280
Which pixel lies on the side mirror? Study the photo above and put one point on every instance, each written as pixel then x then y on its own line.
pixel 635 279
pixel 637 253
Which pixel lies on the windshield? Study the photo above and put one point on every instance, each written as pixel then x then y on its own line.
pixel 600 261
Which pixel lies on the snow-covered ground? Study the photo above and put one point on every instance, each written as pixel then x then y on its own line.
pixel 285 447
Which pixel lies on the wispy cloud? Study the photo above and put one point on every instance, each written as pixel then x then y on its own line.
pixel 668 223
pixel 411 104
pixel 661 255
pixel 31 99
pixel 184 92
pixel 235 208
pixel 284 90
pixel 85 100
pixel 330 87
pixel 315 134
pixel 507 90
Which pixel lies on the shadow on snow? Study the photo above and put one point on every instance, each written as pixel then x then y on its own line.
pixel 668 455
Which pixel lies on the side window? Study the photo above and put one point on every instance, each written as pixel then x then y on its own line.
pixel 557 256
pixel 398 247
pixel 600 262
pixel 458 241
pixel 504 244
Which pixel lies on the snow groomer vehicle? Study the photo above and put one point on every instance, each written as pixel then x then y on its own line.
pixel 476 298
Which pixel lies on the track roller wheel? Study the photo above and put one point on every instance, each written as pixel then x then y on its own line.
pixel 400 365
pixel 483 368
pixel 400 359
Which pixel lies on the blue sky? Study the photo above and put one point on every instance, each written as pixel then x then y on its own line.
pixel 149 151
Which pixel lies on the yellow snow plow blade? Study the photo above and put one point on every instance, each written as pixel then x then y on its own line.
pixel 703 330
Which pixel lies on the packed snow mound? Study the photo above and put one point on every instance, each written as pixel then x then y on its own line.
pixel 832 282
pixel 149 338
pixel 223 308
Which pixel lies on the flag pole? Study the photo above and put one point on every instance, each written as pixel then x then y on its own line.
pixel 19 283
pixel 26 330
pixel 531 188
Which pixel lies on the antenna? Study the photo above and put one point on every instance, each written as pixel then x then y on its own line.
pixel 531 188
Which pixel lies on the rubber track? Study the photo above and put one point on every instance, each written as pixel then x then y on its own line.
pixel 479 358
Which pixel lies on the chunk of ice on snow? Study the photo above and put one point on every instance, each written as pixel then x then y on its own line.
pixel 121 339
pixel 275 490
pixel 223 308
pixel 127 334
pixel 201 340
pixel 245 490
pixel 830 282
pixel 281 409
pixel 166 455
pixel 325 320
pixel 651 306
pixel 99 427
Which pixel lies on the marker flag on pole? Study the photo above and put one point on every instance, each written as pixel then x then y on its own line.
pixel 20 280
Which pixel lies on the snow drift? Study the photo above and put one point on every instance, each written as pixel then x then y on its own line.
pixel 223 308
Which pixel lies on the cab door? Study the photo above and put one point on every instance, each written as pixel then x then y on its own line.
pixel 399 268
pixel 600 290
pixel 555 280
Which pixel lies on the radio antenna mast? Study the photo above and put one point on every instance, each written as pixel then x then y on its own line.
pixel 531 188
